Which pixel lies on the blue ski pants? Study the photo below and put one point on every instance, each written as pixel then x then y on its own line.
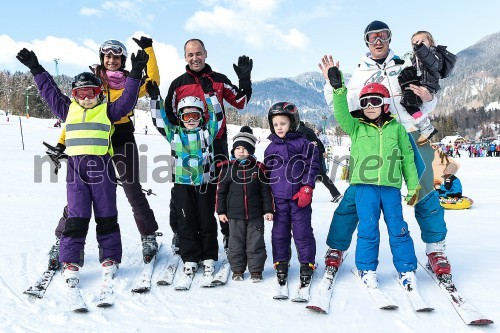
pixel 370 200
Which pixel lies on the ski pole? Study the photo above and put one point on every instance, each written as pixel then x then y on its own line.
pixel 21 127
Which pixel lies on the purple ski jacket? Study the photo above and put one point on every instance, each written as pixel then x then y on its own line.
pixel 291 162
pixel 59 103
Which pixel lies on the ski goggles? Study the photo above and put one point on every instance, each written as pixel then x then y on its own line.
pixel 383 35
pixel 190 115
pixel 113 49
pixel 374 101
pixel 86 92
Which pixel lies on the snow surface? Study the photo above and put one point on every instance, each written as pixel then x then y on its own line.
pixel 30 212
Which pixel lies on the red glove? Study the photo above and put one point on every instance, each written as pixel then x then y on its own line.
pixel 304 195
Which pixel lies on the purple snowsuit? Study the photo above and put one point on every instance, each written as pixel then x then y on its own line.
pixel 291 162
pixel 91 181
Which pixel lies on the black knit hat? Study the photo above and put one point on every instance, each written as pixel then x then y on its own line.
pixel 246 139
pixel 374 26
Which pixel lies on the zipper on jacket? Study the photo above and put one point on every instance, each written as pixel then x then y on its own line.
pixel 84 115
pixel 380 153
pixel 245 198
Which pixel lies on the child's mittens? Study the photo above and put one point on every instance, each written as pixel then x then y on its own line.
pixel 304 195
pixel 411 197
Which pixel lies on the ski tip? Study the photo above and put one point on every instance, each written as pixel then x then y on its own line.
pixel 316 309
pixel 280 297
pixel 104 305
pixel 389 307
pixel 299 300
pixel 481 322
pixel 141 290
pixel 162 283
pixel 425 310
pixel 81 310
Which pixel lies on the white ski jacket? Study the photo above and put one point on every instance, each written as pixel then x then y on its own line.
pixel 369 71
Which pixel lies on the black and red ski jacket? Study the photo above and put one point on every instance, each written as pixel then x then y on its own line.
pixel 190 84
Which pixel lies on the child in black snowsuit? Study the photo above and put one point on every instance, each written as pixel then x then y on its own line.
pixel 429 64
pixel 243 198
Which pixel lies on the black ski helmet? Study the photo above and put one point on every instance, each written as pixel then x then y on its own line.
pixel 85 79
pixel 115 47
pixel 374 26
pixel 284 109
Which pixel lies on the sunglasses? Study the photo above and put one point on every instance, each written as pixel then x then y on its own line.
pixel 112 49
pixel 190 115
pixel 86 92
pixel 383 35
pixel 374 101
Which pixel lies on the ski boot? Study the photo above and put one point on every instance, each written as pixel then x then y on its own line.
pixel 71 274
pixel 109 268
pixel 175 243
pixel 54 263
pixel 306 273
pixel 333 258
pixel 256 277
pixel 369 278
pixel 281 271
pixel 439 264
pixel 237 276
pixel 149 247
pixel 408 280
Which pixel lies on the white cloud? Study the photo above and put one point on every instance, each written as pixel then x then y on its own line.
pixel 249 21
pixel 130 11
pixel 90 11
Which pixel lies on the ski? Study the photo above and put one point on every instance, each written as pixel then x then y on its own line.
pixel 321 303
pixel 381 299
pixel 184 282
pixel 222 275
pixel 39 288
pixel 281 291
pixel 143 283
pixel 467 312
pixel 76 302
pixel 416 300
pixel 167 277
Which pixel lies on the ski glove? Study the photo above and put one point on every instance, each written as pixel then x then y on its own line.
pixel 144 42
pixel 30 60
pixel 411 102
pixel 412 197
pixel 304 195
pixel 152 89
pixel 335 77
pixel 244 67
pixel 139 62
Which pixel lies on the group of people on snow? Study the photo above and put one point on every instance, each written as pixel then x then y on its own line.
pixel 384 108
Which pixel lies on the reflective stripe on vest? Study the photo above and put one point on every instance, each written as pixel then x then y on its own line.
pixel 87 130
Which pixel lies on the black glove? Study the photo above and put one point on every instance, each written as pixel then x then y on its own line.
pixel 244 67
pixel 144 42
pixel 335 77
pixel 411 102
pixel 408 76
pixel 206 85
pixel 139 62
pixel 152 89
pixel 29 59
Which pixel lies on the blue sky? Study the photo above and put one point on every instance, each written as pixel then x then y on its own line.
pixel 284 37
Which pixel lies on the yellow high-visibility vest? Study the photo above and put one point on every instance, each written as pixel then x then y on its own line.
pixel 88 131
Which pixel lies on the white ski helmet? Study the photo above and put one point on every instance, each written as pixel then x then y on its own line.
pixel 190 101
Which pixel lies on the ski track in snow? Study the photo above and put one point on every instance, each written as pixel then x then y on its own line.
pixel 30 212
